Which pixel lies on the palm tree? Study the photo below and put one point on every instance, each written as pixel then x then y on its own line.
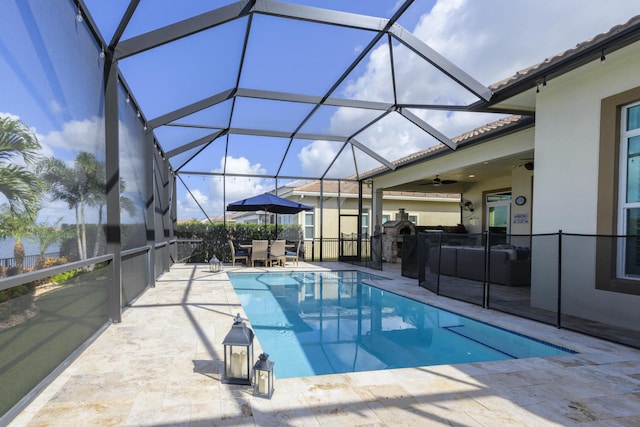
pixel 16 226
pixel 63 183
pixel 21 187
pixel 82 185
pixel 126 204
pixel 45 235
pixel 79 186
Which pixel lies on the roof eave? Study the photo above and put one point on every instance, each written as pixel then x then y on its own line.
pixel 584 53
pixel 524 123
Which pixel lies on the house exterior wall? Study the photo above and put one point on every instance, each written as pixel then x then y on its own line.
pixel 519 180
pixel 567 150
pixel 429 213
pixel 567 141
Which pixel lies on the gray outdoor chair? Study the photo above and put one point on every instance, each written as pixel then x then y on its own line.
pixel 259 252
pixel 277 253
pixel 293 255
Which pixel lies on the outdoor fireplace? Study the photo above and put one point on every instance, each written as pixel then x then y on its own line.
pixel 393 233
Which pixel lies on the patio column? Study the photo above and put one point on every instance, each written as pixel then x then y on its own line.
pixel 376 209
pixel 149 153
pixel 112 169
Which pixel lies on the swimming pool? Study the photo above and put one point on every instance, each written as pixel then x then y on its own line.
pixel 315 323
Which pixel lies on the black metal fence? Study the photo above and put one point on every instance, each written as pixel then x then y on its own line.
pixel 29 260
pixel 349 248
pixel 570 281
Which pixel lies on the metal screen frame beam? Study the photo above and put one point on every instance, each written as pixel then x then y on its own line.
pixel 320 15
pixel 440 62
pixel 428 128
pixel 192 108
pixel 112 179
pixel 181 29
pixel 196 143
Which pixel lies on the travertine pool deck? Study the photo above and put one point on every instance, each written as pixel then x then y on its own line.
pixel 161 367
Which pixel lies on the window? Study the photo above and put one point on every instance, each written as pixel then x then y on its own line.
pixel 616 216
pixel 385 218
pixel 309 228
pixel 629 196
pixel 498 215
pixel 286 219
pixel 413 219
pixel 365 223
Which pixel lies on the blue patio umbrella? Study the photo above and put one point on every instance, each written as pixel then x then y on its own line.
pixel 268 202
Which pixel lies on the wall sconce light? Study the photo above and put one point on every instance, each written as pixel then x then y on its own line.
pixel 238 353
pixel 263 377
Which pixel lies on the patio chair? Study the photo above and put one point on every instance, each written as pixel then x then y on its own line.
pixel 277 252
pixel 293 255
pixel 239 254
pixel 259 252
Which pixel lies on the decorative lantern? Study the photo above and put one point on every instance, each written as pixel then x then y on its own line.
pixel 215 265
pixel 263 377
pixel 238 353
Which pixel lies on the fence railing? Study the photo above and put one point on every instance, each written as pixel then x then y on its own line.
pixel 29 260
pixel 585 283
pixel 345 249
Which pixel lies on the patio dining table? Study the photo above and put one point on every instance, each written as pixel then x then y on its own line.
pixel 248 246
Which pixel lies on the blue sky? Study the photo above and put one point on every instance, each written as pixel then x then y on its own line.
pixel 489 39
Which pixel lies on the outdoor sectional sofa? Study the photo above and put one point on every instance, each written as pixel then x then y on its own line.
pixel 508 266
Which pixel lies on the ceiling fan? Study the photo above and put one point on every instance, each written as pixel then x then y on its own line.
pixel 436 182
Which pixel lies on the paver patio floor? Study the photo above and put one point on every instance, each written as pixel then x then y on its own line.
pixel 161 367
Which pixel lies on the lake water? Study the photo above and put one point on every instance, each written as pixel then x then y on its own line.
pixel 30 248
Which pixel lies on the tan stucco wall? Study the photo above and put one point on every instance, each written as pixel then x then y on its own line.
pixel 567 141
pixel 566 186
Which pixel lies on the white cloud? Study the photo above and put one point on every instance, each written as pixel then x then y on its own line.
pixel 209 192
pixel 80 135
pixel 9 115
pixel 238 188
pixel 489 40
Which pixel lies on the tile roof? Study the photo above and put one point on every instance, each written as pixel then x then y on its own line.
pixel 482 132
pixel 598 46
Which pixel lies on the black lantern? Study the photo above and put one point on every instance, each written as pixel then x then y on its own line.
pixel 263 377
pixel 238 353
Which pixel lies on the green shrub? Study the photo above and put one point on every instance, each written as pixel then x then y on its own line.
pixel 63 277
pixel 214 237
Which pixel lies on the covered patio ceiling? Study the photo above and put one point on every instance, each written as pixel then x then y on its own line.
pixel 285 86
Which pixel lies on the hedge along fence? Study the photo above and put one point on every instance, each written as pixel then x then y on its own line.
pixel 215 237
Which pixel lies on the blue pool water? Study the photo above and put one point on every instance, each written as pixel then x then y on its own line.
pixel 315 323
